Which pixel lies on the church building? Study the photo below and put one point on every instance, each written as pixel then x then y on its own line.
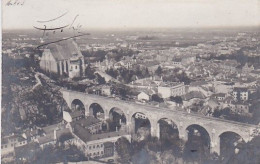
pixel 63 58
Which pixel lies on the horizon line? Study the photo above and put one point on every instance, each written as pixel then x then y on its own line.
pixel 150 28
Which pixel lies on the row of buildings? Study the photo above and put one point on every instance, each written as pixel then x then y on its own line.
pixel 86 132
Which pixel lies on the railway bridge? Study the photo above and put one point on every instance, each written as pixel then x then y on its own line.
pixel 214 127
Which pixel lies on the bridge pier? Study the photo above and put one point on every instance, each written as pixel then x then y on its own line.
pixel 106 117
pixel 86 110
pixel 155 129
pixel 215 145
pixel 129 127
pixel 183 134
pixel 214 142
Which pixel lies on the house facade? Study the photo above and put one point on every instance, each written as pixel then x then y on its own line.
pixel 240 94
pixel 168 90
pixel 8 143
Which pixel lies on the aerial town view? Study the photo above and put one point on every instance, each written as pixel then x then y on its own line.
pixel 73 94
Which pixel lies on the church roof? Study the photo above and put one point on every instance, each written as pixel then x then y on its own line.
pixel 64 50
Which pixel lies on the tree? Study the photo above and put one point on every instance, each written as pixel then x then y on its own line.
pixel 248 153
pixel 157 98
pixel 112 72
pixel 216 113
pixel 121 90
pixel 184 78
pixel 154 144
pixel 100 79
pixel 176 99
pixel 89 72
pixel 159 70
pixel 167 157
pixel 65 137
pixel 141 156
pixel 123 148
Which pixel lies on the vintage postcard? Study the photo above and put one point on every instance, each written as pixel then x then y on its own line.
pixel 130 81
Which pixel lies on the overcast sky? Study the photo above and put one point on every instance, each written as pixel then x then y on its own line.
pixel 133 13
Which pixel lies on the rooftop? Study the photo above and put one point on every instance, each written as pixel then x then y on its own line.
pixel 193 94
pixel 28 149
pixel 198 83
pixel 65 131
pixel 50 129
pixel 82 133
pixel 64 50
pixel 31 132
pixel 219 95
pixel 171 84
pixel 5 140
pixel 107 135
pixel 86 122
pixel 76 113
pixel 240 89
pixel 46 139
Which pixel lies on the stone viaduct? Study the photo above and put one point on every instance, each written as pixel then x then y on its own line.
pixel 214 126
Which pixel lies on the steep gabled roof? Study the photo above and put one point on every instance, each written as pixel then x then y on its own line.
pixel 82 133
pixel 192 95
pixel 64 50
pixel 46 139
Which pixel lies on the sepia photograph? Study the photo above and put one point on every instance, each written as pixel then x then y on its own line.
pixel 130 81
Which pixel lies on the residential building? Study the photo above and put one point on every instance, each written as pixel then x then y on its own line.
pixel 222 87
pixel 240 108
pixel 219 96
pixel 8 143
pixel 106 90
pixel 51 135
pixel 229 65
pixel 90 123
pixel 192 97
pixel 176 62
pixel 188 59
pixel 143 96
pixel 31 134
pixel 96 145
pixel 26 152
pixel 167 90
pixel 240 94
pixel 247 69
pixel 47 140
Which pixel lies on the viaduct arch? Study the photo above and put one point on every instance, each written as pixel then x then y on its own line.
pixel 214 126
